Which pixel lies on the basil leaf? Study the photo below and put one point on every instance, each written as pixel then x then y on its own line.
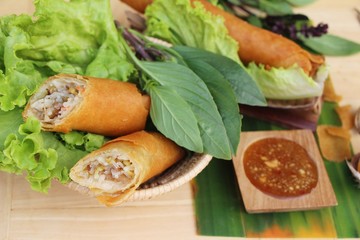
pixel 194 91
pixel 255 21
pixel 167 112
pixel 298 3
pixel 331 45
pixel 224 98
pixel 275 7
pixel 245 88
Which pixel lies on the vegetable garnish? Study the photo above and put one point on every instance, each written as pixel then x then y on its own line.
pixel 195 28
pixel 198 89
pixel 43 156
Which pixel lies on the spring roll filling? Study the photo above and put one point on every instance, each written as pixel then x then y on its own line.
pixel 57 99
pixel 110 171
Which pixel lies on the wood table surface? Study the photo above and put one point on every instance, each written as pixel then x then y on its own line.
pixel 65 214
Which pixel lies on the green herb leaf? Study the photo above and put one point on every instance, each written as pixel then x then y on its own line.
pixel 331 45
pixel 194 91
pixel 224 98
pixel 254 20
pixel 173 117
pixel 298 3
pixel 275 7
pixel 245 88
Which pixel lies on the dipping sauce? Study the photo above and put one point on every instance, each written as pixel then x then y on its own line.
pixel 280 167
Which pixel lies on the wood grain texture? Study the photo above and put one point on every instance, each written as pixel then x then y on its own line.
pixel 257 201
pixel 6 187
pixel 65 214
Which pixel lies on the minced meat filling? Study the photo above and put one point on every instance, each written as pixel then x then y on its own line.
pixel 110 168
pixel 58 100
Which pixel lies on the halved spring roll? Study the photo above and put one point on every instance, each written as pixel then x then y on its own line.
pixel 117 169
pixel 72 102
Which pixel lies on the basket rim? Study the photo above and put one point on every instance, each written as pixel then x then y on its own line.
pixel 196 163
pixel 306 103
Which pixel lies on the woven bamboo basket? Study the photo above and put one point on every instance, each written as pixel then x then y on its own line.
pixel 306 104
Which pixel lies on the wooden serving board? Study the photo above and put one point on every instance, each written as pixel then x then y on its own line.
pixel 321 196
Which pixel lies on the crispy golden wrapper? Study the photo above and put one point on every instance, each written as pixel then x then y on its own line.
pixel 138 5
pixel 102 106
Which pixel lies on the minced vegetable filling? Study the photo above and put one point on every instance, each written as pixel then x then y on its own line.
pixel 59 98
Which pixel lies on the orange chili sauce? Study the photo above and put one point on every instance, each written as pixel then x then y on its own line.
pixel 280 167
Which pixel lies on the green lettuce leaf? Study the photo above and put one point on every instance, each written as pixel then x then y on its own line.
pixel 84 141
pixel 42 155
pixel 287 84
pixel 9 123
pixel 181 24
pixel 62 37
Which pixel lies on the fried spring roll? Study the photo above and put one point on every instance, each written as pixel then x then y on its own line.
pixel 256 44
pixel 138 5
pixel 102 106
pixel 114 171
pixel 262 46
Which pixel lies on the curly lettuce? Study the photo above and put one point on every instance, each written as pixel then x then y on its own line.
pixel 181 24
pixel 44 156
pixel 288 84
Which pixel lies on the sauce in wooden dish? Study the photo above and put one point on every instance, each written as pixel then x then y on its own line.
pixel 280 167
